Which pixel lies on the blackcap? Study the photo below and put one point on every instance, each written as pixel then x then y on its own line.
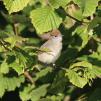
pixel 54 45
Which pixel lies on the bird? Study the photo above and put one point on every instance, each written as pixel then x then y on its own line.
pixel 54 45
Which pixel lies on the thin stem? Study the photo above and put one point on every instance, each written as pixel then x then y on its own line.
pixel 28 76
pixel 39 49
pixel 15 28
pixel 4 45
pixel 74 18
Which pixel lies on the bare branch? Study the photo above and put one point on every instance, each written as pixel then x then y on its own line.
pixel 28 76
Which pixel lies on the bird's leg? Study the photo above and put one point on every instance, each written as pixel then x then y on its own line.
pixel 54 65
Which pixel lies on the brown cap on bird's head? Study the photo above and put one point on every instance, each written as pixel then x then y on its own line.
pixel 47 35
pixel 55 32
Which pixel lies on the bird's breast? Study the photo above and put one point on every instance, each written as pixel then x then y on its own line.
pixel 53 55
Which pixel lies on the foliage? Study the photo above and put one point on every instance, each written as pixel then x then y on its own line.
pixel 46 17
pixel 22 22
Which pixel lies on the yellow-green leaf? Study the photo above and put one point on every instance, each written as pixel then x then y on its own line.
pixel 76 79
pixel 15 5
pixel 4 67
pixel 88 7
pixel 58 3
pixel 45 19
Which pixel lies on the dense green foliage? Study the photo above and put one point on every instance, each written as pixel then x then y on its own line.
pixel 79 66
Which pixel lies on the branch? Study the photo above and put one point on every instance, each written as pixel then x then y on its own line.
pixel 15 28
pixel 27 75
pixel 75 19
pixel 4 45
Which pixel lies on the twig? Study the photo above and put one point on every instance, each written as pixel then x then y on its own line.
pixel 39 49
pixel 27 75
pixel 4 46
pixel 15 28
pixel 75 19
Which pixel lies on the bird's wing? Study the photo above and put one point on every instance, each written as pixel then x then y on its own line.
pixel 47 48
pixel 47 44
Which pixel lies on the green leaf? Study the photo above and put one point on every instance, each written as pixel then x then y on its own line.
pixel 4 67
pixel 78 15
pixel 92 73
pixel 13 40
pixel 30 92
pixel 43 72
pixel 21 58
pixel 78 2
pixel 9 83
pixel 83 64
pixel 45 19
pixel 86 70
pixel 58 97
pixel 24 94
pixel 76 79
pixel 88 7
pixel 13 82
pixel 94 22
pixel 96 56
pixel 15 5
pixel 17 67
pixel 83 72
pixel 21 61
pixel 3 34
pixel 81 37
pixel 57 3
pixel 59 83
pixel 39 92
pixel 94 59
pixel 2 87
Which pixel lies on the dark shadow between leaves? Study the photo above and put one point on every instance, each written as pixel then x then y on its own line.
pixel 94 61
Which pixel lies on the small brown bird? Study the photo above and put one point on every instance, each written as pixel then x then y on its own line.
pixel 54 45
